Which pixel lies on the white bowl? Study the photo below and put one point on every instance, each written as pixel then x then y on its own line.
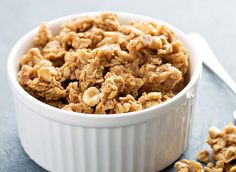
pixel 143 141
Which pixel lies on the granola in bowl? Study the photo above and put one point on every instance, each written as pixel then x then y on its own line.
pixel 99 65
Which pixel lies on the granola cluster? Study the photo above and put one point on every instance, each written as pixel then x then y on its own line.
pixel 98 65
pixel 223 156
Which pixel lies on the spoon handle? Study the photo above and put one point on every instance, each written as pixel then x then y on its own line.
pixel 210 60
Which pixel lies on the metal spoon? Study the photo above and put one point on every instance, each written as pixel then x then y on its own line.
pixel 212 63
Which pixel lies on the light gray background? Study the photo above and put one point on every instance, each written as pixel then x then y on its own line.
pixel 214 19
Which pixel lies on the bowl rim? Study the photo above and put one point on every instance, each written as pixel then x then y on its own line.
pixel 67 114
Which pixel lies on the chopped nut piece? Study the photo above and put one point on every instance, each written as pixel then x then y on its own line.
pixel 91 96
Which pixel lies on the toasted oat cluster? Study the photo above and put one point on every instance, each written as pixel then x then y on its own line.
pixel 98 65
pixel 223 156
pixel 188 166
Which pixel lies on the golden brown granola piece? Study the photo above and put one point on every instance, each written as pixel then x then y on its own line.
pixel 167 32
pixel 223 143
pixel 166 47
pixel 72 40
pixel 203 156
pixel 79 43
pixel 78 107
pixel 214 133
pixel 112 38
pixel 94 34
pixel 130 33
pixel 42 63
pixel 44 35
pixel 150 99
pixel 160 78
pixel 155 30
pixel 106 107
pixel 54 93
pixel 167 96
pixel 179 57
pixel 224 150
pixel 107 21
pixel 73 92
pixel 128 72
pixel 25 74
pixel 143 42
pixel 90 75
pixel 111 55
pixel 80 24
pixel 53 50
pixel 74 64
pixel 111 87
pixel 219 167
pixel 150 28
pixel 49 91
pixel 232 168
pixel 230 134
pixel 127 104
pixel 42 80
pixel 230 153
pixel 48 74
pixel 188 166
pixel 32 57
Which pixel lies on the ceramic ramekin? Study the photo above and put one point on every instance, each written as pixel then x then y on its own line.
pixel 144 141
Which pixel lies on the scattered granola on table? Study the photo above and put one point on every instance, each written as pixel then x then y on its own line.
pixel 223 144
pixel 203 156
pixel 98 65
pixel 188 166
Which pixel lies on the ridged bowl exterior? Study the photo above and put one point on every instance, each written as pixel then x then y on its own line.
pixel 145 147
pixel 142 141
